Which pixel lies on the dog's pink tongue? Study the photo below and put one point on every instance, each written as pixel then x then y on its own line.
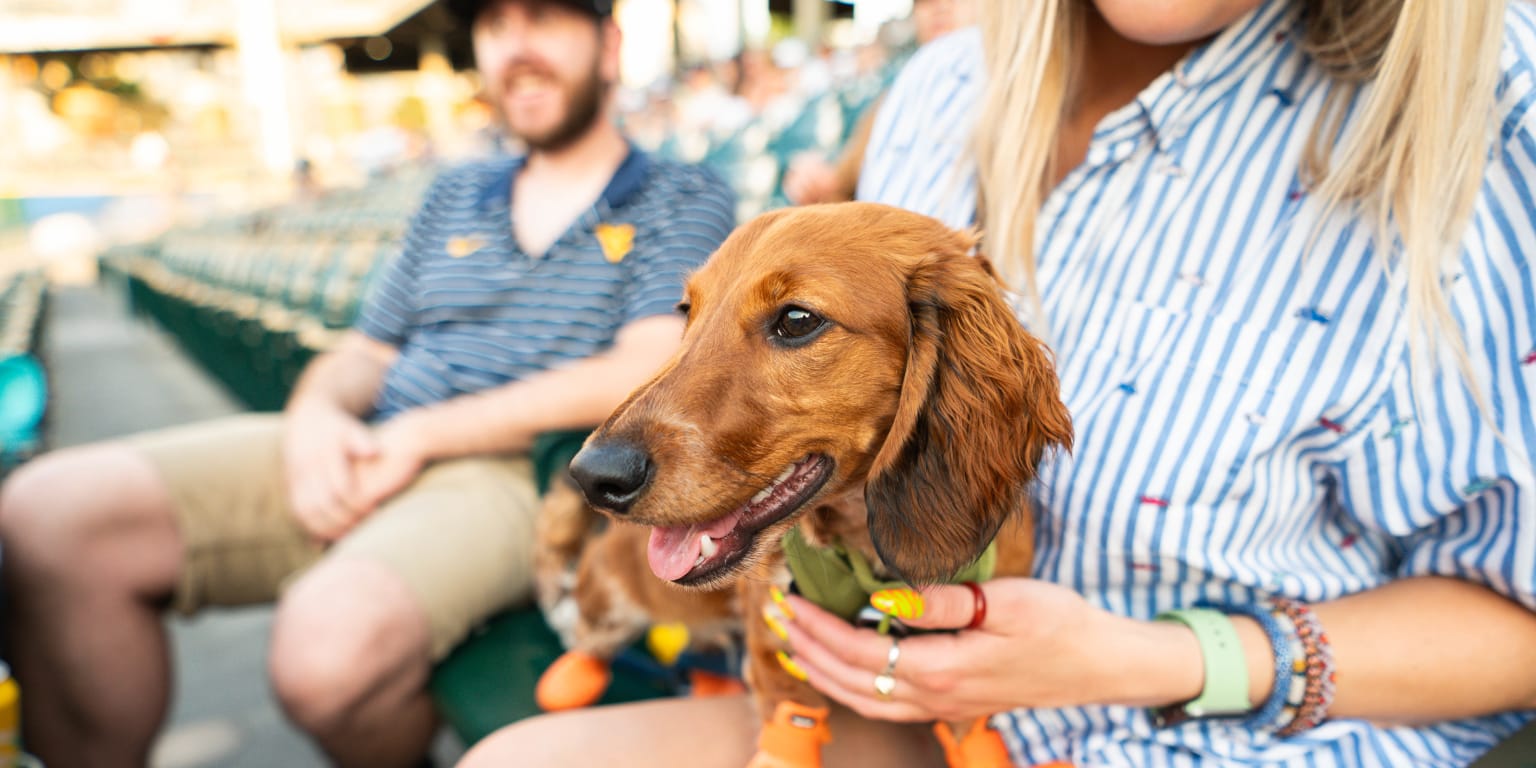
pixel 673 551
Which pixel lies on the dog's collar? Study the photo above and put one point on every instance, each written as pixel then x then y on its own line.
pixel 840 580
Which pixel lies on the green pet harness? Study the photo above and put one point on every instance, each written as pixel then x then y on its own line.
pixel 840 579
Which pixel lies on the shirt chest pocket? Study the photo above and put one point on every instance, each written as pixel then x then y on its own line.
pixel 1205 409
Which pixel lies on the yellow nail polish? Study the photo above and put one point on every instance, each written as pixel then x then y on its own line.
pixel 778 599
pixel 791 667
pixel 771 618
pixel 901 603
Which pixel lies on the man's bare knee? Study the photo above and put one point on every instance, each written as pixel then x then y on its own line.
pixel 344 633
pixel 30 520
pixel 119 524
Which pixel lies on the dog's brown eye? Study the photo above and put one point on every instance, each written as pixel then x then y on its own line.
pixel 796 323
pixel 683 308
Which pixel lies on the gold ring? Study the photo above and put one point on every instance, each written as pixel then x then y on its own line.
pixel 885 682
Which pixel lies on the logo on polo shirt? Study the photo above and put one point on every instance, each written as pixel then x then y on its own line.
pixel 459 247
pixel 617 240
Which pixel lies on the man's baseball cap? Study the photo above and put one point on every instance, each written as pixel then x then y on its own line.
pixel 465 11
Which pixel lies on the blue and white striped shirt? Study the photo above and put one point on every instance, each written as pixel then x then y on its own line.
pixel 1246 423
pixel 470 310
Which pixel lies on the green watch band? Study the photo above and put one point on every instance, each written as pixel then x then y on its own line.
pixel 1225 692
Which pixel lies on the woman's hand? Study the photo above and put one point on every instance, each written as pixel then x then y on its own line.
pixel 1040 645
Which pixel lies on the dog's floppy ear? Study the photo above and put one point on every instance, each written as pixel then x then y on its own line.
pixel 979 407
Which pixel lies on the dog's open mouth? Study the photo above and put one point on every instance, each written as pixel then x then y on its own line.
pixel 691 554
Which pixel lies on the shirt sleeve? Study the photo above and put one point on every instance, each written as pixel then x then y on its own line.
pixel 701 218
pixel 919 155
pixel 1451 477
pixel 388 311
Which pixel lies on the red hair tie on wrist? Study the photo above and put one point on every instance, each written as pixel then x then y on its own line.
pixel 981 604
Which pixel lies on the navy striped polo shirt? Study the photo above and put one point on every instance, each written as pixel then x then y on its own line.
pixel 469 309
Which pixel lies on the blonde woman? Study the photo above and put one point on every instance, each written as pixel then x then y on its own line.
pixel 1280 249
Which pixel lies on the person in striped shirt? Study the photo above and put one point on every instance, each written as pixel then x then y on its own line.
pixel 392 503
pixel 1281 251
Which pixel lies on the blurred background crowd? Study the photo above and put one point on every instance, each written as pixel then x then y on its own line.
pixel 127 117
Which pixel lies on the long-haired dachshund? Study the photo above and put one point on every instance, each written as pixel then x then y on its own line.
pixel 850 372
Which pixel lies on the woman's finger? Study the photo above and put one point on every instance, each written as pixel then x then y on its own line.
pixel 808 651
pixel 854 647
pixel 943 606
pixel 861 696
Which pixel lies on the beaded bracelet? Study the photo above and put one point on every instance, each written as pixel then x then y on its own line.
pixel 1282 639
pixel 1311 687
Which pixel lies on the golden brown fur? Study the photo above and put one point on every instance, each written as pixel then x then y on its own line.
pixel 933 405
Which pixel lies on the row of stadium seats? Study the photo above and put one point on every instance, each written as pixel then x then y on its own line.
pixel 22 296
pixel 252 298
pixel 23 387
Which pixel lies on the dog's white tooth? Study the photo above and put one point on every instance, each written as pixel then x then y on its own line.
pixel 699 561
pixel 760 495
pixel 707 546
pixel 784 475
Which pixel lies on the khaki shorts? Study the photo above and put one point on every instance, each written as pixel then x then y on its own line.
pixel 460 536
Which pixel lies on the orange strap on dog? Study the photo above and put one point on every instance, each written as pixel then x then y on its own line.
pixel 793 738
pixel 576 679
pixel 702 683
pixel 982 747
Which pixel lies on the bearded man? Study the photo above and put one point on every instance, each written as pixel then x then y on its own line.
pixel 389 508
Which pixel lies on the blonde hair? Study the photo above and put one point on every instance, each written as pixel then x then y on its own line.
pixel 1411 160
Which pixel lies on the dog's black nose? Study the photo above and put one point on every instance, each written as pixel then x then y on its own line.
pixel 612 474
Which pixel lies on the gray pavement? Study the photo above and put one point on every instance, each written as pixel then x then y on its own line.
pixel 112 375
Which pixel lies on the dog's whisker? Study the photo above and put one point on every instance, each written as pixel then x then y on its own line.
pixel 762 479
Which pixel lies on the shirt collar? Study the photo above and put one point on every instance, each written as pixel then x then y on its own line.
pixel 627 179
pixel 1161 108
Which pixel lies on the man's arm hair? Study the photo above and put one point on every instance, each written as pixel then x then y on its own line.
pixel 507 418
pixel 348 376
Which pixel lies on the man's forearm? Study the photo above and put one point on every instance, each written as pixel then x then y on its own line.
pixel 507 418
pixel 347 377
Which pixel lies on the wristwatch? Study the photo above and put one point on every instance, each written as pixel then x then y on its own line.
pixel 1225 690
